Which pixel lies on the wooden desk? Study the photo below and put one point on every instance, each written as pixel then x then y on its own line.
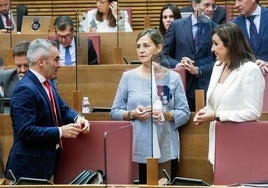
pixel 125 40
pixel 98 82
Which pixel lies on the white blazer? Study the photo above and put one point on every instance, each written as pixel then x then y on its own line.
pixel 91 21
pixel 241 98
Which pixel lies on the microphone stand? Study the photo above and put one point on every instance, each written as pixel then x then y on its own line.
pixel 51 27
pixel 118 50
pixel 199 93
pixel 152 162
pixel 9 57
pixel 76 92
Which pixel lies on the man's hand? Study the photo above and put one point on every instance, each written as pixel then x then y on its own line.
pixel 71 130
pixel 263 66
pixel 188 64
pixel 4 31
pixel 84 124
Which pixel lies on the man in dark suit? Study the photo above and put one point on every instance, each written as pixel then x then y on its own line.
pixel 7 20
pixel 247 9
pixel 188 44
pixel 64 30
pixel 219 15
pixel 10 77
pixel 40 118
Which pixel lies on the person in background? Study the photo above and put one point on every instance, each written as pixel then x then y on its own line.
pixel 10 77
pixel 168 13
pixel 133 101
pixel 7 23
pixel 219 15
pixel 40 118
pixel 66 40
pixel 237 85
pixel 252 8
pixel 187 46
pixel 105 18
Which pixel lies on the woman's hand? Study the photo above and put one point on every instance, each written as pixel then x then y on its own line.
pixel 158 116
pixel 113 7
pixel 202 117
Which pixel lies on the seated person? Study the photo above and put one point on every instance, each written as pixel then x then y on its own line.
pixel 105 18
pixel 10 77
pixel 7 22
pixel 66 40
pixel 219 16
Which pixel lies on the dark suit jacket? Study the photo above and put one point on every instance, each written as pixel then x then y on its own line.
pixel 8 80
pixel 219 16
pixel 34 128
pixel 2 26
pixel 21 11
pixel 179 44
pixel 92 55
pixel 262 50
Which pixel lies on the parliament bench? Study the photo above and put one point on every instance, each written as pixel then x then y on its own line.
pixel 241 152
pixel 108 147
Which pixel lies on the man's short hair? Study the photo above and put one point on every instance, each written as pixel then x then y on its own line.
pixel 62 22
pixel 21 48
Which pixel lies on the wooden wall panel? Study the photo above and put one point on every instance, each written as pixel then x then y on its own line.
pixel 140 8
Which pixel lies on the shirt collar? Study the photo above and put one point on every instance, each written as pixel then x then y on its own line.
pixel 194 20
pixel 39 76
pixel 257 11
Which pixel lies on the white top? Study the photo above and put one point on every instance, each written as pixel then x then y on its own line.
pixel 238 99
pixel 91 21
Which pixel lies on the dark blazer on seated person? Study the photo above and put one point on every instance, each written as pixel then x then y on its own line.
pixel 92 55
pixel 219 16
pixel 36 135
pixel 8 81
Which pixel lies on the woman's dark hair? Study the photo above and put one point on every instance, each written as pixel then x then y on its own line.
pixel 111 19
pixel 176 13
pixel 235 41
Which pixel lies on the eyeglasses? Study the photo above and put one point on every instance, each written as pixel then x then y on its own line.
pixel 68 36
pixel 214 6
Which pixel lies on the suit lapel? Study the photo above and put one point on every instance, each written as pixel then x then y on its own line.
pixel 263 25
pixel 214 80
pixel 226 85
pixel 187 27
pixel 40 87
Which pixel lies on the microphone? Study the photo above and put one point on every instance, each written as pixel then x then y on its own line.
pixel 204 18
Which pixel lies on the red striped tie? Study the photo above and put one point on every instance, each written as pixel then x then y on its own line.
pixel 47 84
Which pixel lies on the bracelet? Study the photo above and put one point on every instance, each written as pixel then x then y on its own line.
pixel 130 115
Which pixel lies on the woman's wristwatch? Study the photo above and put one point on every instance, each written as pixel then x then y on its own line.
pixel 217 117
pixel 130 115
